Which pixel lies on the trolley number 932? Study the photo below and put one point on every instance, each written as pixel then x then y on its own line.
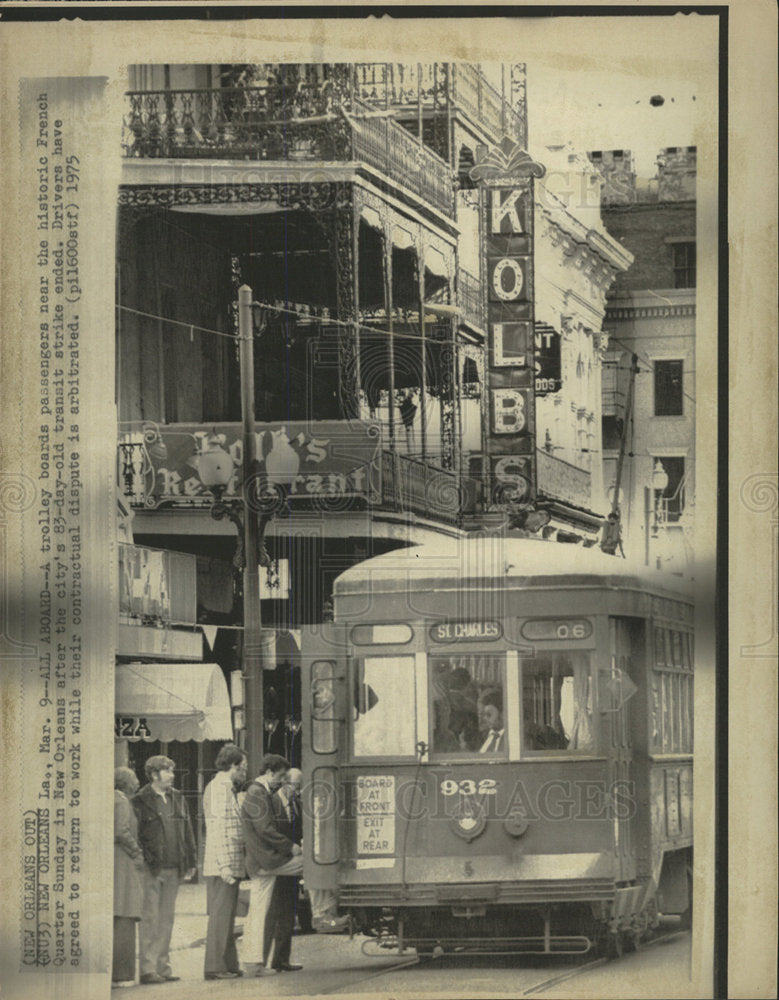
pixel 467 786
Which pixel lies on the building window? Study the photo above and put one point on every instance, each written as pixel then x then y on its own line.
pixel 668 388
pixel 684 265
pixel 669 501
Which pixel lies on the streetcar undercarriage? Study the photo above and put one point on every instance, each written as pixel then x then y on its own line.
pixel 551 929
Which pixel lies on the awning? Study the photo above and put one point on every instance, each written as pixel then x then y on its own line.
pixel 179 701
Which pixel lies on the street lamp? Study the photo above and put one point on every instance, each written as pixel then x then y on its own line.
pixel 659 484
pixel 262 493
pixel 652 507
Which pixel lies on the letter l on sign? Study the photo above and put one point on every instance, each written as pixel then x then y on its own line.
pixel 506 209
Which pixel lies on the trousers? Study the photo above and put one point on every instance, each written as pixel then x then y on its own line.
pixel 261 892
pixel 157 914
pixel 221 902
pixel 280 921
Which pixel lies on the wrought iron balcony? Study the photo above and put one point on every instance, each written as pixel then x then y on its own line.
pixel 409 484
pixel 436 88
pixel 308 123
pixel 469 297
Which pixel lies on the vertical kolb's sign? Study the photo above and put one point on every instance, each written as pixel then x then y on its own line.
pixel 506 175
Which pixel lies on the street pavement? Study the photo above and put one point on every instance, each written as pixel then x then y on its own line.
pixel 334 964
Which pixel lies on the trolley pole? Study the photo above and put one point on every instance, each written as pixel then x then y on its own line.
pixel 252 649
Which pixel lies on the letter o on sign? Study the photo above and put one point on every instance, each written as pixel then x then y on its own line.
pixel 507 279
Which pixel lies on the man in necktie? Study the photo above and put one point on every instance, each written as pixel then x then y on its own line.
pixel 270 853
pixel 492 714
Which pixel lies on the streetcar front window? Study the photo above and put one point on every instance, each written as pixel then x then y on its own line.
pixel 384 724
pixel 557 709
pixel 466 704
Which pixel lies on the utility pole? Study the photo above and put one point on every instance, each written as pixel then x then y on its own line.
pixel 252 650
pixel 612 535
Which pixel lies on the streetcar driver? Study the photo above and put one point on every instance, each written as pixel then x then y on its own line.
pixel 492 715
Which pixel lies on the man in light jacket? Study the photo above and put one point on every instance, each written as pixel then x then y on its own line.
pixel 223 862
pixel 269 852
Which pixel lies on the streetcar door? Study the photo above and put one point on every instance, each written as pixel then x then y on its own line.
pixel 616 695
pixel 324 653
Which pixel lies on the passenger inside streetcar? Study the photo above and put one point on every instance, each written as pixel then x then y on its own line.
pixel 467 700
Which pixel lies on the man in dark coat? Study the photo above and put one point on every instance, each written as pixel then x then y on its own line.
pixel 269 853
pixel 169 854
pixel 280 921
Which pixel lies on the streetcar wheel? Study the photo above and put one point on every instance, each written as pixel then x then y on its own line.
pixel 632 940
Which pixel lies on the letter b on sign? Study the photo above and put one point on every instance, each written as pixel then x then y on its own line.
pixel 508 411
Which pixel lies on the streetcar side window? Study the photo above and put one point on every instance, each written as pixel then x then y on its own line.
pixel 466 704
pixel 672 692
pixel 557 702
pixel 323 719
pixel 384 723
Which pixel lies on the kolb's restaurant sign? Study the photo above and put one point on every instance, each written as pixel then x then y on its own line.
pixel 325 461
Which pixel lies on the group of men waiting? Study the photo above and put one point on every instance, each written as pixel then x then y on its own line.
pixel 253 831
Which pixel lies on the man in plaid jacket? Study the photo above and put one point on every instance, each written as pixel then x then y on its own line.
pixel 223 862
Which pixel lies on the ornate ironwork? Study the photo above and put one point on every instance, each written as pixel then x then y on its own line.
pixel 315 195
pixel 346 307
pixel 469 297
pixel 419 487
pixel 275 121
pixel 304 124
pixel 508 160
pixel 446 389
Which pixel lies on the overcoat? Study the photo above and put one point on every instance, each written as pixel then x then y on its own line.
pixel 128 860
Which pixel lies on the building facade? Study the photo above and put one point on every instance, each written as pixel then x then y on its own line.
pixel 650 323
pixel 344 196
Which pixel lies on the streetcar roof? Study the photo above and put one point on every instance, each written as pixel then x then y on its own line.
pixel 488 559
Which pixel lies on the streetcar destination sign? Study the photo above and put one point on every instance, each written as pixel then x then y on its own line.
pixel 461 631
pixel 556 628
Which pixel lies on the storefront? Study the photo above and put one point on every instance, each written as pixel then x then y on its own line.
pixel 181 710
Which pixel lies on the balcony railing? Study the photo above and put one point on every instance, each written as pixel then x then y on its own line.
pixel 409 484
pixel 266 122
pixel 310 123
pixel 157 586
pixel 563 481
pixel 469 297
pixel 387 146
pixel 434 87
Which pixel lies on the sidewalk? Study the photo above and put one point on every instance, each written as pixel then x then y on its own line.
pixel 189 930
pixel 329 960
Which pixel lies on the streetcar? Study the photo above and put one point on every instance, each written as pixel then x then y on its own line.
pixel 498 748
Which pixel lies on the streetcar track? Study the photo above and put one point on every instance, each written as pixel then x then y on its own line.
pixel 596 963
pixel 374 975
pixel 541 987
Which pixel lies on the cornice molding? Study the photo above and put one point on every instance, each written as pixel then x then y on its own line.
pixel 649 312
